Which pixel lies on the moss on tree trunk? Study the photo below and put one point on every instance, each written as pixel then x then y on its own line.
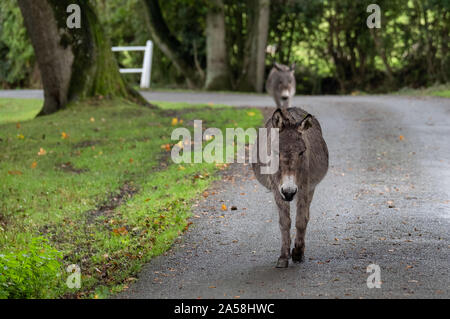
pixel 253 76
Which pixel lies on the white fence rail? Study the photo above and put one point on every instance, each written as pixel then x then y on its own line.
pixel 146 69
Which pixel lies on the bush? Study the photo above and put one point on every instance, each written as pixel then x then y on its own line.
pixel 30 273
pixel 16 52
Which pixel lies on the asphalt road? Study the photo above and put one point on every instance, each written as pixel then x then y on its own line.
pixel 384 201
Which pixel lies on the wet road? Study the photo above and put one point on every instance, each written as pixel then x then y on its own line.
pixel 385 201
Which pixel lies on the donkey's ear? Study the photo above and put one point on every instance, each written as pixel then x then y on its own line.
pixel 278 66
pixel 305 124
pixel 278 119
pixel 292 67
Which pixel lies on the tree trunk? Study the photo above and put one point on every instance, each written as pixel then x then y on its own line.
pixel 335 52
pixel 382 52
pixel 254 61
pixel 445 39
pixel 169 45
pixel 217 71
pixel 74 63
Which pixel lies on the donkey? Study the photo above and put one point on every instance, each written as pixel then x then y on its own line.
pixel 281 84
pixel 303 163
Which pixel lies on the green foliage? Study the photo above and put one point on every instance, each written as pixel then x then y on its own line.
pixel 337 53
pixel 16 52
pixel 334 50
pixel 31 272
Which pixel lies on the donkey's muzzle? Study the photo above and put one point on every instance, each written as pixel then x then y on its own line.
pixel 288 193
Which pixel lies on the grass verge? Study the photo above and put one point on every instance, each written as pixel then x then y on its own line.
pixel 14 110
pixel 441 90
pixel 93 185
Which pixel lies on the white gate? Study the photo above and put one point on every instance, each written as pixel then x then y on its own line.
pixel 146 65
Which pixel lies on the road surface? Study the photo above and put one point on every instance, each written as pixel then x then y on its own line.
pixel 384 201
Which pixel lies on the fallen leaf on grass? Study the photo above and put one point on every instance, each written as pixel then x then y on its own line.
pixel 221 166
pixel 166 147
pixel 187 226
pixel 120 231
pixel 14 172
pixel 180 144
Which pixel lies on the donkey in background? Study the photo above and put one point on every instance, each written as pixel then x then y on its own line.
pixel 303 163
pixel 281 84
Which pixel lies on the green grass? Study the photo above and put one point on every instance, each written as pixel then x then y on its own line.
pixel 441 90
pixel 57 171
pixel 14 110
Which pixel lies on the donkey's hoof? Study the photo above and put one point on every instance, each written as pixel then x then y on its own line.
pixel 282 263
pixel 297 255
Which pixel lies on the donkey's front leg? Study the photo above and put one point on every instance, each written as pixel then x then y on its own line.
pixel 285 226
pixel 301 222
pixel 277 100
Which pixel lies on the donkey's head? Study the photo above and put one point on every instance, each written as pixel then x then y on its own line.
pixel 292 151
pixel 284 82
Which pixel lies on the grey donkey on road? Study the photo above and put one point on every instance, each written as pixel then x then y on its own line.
pixel 281 84
pixel 303 163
